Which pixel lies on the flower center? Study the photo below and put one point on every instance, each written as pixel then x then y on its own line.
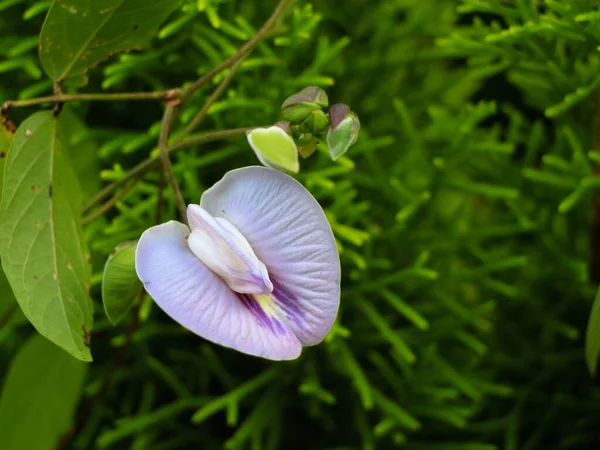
pixel 224 250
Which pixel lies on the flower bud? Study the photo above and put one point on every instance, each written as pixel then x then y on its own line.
pixel 343 131
pixel 316 123
pixel 309 148
pixel 299 106
pixel 274 147
pixel 303 139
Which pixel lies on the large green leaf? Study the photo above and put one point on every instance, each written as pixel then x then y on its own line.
pixel 592 341
pixel 39 397
pixel 120 283
pixel 78 34
pixel 7 298
pixel 41 243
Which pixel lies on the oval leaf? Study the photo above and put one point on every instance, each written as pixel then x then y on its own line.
pixel 41 242
pixel 78 34
pixel 39 396
pixel 592 340
pixel 120 283
pixel 9 313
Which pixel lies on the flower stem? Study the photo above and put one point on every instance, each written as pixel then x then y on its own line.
pixel 148 163
pixel 163 148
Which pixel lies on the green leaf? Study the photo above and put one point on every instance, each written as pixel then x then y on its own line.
pixel 120 283
pixel 39 397
pixel 78 34
pixel 5 140
pixel 7 297
pixel 592 338
pixel 41 243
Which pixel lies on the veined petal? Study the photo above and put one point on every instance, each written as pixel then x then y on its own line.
pixel 224 250
pixel 290 234
pixel 201 301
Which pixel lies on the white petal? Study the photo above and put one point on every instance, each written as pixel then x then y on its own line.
pixel 289 232
pixel 201 301
pixel 225 251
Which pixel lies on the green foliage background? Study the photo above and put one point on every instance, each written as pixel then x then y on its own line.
pixel 464 214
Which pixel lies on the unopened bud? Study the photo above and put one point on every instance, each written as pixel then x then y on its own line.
pixel 343 131
pixel 308 149
pixel 303 139
pixel 274 147
pixel 316 123
pixel 299 106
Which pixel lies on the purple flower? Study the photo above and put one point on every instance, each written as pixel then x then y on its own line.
pixel 258 269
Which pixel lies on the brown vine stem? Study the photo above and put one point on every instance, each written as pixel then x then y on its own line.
pixel 109 204
pixel 163 148
pixel 209 102
pixel 148 163
pixel 159 197
pixel 243 50
pixel 167 95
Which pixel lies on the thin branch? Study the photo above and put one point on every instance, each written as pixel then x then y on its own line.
pixel 163 148
pixel 147 164
pixel 209 102
pixel 167 95
pixel 109 204
pixel 159 197
pixel 243 50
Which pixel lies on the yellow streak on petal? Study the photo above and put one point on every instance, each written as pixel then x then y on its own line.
pixel 268 305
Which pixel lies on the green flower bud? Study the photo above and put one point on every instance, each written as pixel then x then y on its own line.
pixel 304 139
pixel 316 123
pixel 308 149
pixel 274 147
pixel 299 106
pixel 344 130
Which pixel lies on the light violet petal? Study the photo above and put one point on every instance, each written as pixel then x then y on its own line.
pixel 289 232
pixel 199 300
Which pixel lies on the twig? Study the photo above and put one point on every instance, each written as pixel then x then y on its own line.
pixel 243 50
pixel 159 197
pixel 167 95
pixel 109 204
pixel 209 102
pixel 163 148
pixel 147 164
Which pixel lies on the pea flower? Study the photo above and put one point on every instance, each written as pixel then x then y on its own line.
pixel 257 270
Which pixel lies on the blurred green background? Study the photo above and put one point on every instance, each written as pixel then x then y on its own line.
pixel 465 216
